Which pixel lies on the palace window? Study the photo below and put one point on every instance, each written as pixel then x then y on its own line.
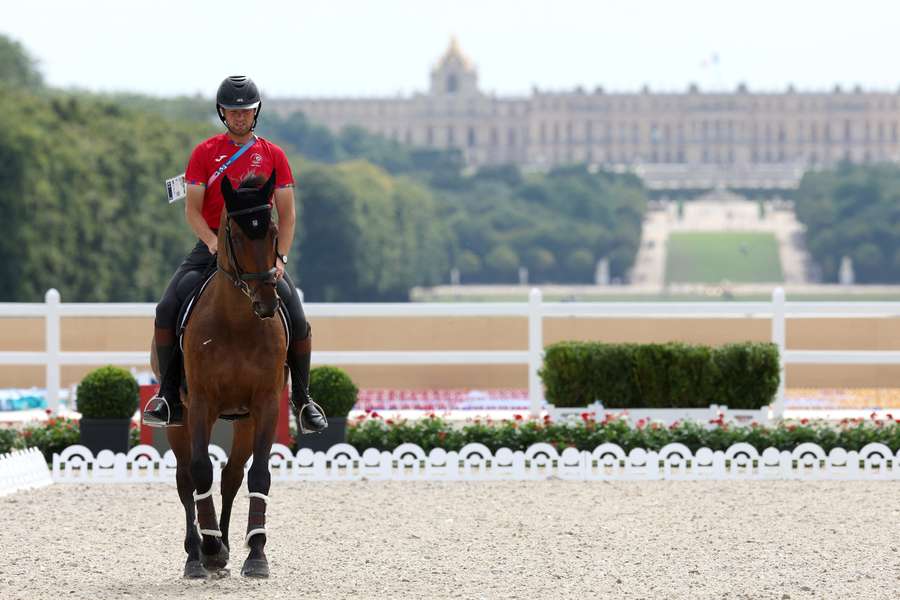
pixel 452 83
pixel 471 137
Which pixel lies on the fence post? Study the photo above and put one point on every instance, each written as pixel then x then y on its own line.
pixel 778 338
pixel 51 343
pixel 535 351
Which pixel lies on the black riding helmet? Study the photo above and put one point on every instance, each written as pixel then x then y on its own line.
pixel 237 92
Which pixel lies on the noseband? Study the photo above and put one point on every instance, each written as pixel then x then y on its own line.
pixel 237 276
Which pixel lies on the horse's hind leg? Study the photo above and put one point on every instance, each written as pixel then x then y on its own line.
pixel 213 554
pixel 180 444
pixel 258 481
pixel 233 473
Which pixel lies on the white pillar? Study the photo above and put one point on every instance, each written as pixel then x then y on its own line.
pixel 51 345
pixel 778 338
pixel 535 352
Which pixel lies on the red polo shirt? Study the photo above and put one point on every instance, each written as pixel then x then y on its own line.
pixel 209 155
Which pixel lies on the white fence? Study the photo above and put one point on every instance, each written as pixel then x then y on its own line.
pixel 535 310
pixel 476 462
pixel 22 470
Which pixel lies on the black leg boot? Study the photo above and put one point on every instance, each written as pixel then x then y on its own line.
pixel 165 408
pixel 311 416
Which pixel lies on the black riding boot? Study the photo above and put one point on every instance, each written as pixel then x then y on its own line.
pixel 311 416
pixel 165 408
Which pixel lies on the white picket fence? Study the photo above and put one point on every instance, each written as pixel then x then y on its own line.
pixel 475 462
pixel 22 470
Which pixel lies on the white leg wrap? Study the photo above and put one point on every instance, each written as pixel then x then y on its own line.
pixel 206 494
pixel 250 534
pixel 197 498
pixel 259 495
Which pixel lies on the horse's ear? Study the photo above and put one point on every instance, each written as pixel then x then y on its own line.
pixel 270 186
pixel 227 190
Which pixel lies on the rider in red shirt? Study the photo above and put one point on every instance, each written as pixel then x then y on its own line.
pixel 238 105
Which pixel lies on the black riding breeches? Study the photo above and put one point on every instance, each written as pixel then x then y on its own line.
pixel 185 279
pixel 291 300
pixel 188 276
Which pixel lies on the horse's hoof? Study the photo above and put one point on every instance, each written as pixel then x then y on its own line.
pixel 255 567
pixel 215 562
pixel 194 570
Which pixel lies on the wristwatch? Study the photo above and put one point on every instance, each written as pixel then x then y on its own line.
pixel 283 258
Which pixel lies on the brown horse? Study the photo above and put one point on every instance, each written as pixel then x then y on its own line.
pixel 234 363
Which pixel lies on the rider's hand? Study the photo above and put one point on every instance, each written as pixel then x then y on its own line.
pixel 213 245
pixel 279 268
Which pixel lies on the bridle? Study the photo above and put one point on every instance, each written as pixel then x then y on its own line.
pixel 237 275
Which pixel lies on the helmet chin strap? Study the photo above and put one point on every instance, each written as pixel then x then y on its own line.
pixel 221 113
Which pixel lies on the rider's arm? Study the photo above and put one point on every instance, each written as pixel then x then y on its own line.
pixel 287 218
pixel 193 212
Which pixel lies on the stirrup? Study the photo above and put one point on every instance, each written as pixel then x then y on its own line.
pixel 307 404
pixel 154 420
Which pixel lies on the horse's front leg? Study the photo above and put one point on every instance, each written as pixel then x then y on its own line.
pixel 258 482
pixel 213 554
pixel 180 444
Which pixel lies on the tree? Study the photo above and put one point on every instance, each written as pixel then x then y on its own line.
pixel 17 67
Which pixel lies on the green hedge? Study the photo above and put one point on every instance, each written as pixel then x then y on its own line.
pixel 672 375
pixel 333 390
pixel 107 393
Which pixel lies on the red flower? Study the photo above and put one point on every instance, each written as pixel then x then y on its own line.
pixel 640 423
pixel 48 411
pixel 51 422
pixel 375 415
pixel 389 422
pixel 518 417
pixel 889 417
pixel 586 416
pixel 873 415
pixel 26 434
pixel 547 419
pixel 804 421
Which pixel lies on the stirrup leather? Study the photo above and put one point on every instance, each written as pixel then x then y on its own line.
pixel 310 402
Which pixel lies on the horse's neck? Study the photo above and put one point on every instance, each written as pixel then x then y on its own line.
pixel 230 302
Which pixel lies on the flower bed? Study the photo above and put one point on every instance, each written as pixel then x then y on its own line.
pixel 372 431
pixel 51 436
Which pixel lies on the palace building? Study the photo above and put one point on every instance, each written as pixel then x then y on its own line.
pixel 691 139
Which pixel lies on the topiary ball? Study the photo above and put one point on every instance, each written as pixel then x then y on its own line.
pixel 107 393
pixel 333 390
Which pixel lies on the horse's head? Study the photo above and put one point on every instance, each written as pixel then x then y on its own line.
pixel 250 241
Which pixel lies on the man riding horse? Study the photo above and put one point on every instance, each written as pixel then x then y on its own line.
pixel 238 155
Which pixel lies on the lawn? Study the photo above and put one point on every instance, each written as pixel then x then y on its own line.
pixel 714 257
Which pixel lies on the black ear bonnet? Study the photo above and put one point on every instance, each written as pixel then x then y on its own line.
pixel 249 205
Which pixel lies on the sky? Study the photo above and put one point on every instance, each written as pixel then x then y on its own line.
pixel 345 48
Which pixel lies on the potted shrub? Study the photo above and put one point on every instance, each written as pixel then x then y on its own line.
pixel 335 392
pixel 106 398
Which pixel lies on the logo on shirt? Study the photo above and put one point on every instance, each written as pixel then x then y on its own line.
pixel 221 157
pixel 256 159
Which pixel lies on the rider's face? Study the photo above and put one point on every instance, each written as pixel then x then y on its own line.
pixel 239 120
